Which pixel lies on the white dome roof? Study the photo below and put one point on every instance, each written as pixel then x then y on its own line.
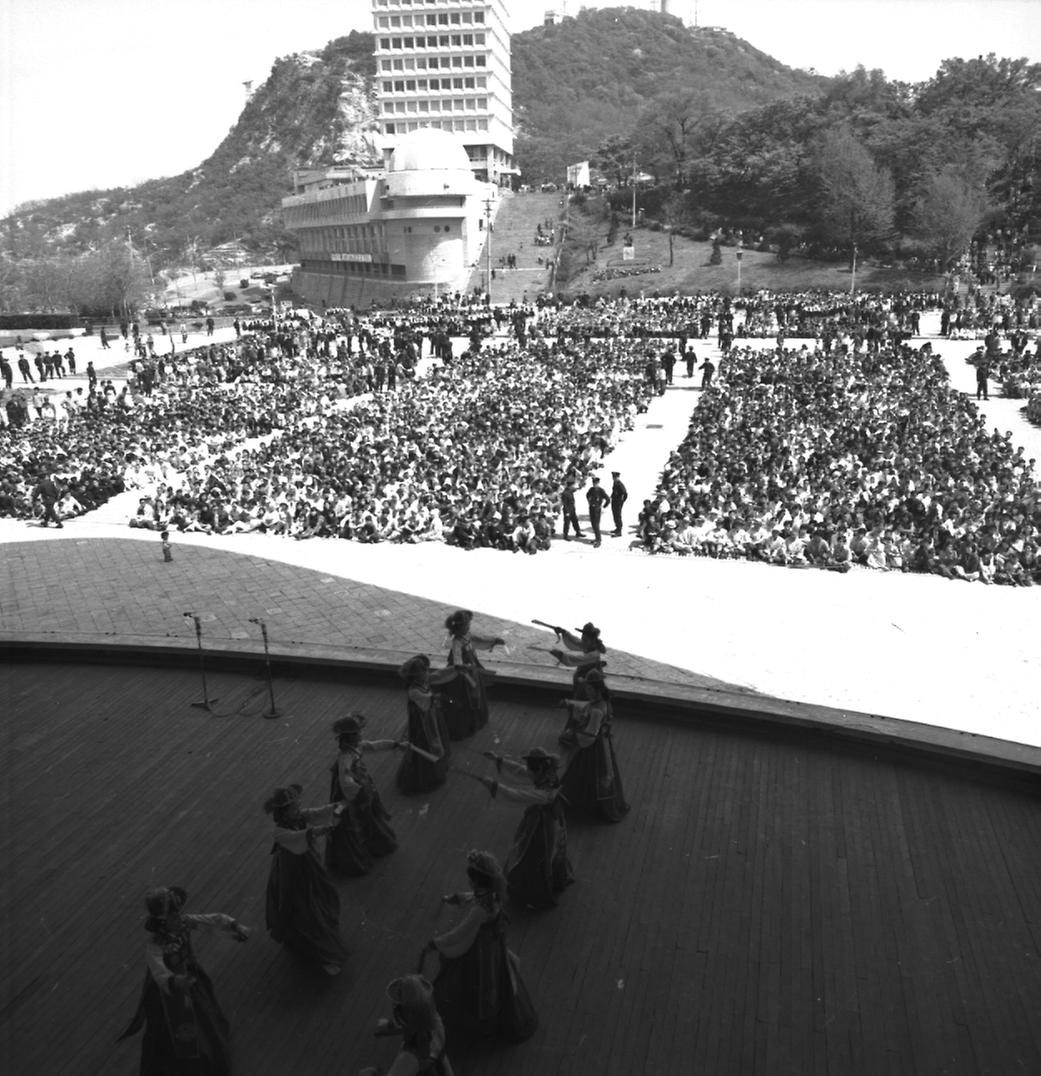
pixel 427 148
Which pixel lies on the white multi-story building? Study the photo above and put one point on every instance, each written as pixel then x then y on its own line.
pixel 446 64
pixel 446 131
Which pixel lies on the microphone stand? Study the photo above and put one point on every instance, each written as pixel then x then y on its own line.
pixel 273 711
pixel 207 702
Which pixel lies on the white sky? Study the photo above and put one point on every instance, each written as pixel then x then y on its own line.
pixel 97 93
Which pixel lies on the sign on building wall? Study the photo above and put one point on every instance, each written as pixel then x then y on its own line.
pixel 338 257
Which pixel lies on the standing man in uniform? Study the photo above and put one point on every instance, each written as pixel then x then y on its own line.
pixel 570 515
pixel 708 368
pixel 48 492
pixel 596 498
pixel 619 495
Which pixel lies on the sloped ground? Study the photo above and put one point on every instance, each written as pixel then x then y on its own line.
pixel 514 233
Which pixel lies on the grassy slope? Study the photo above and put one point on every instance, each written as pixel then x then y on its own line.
pixel 691 272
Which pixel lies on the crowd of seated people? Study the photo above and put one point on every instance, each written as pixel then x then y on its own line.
pixel 455 457
pixel 848 450
pixel 806 459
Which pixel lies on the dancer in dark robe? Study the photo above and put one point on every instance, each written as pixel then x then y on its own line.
pixel 477 983
pixel 422 1032
pixel 363 832
pixel 186 1033
pixel 537 868
pixel 426 730
pixel 583 653
pixel 591 782
pixel 463 682
pixel 303 907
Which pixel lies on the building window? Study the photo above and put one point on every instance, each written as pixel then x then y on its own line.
pixel 482 61
pixel 478 16
pixel 479 39
pixel 390 128
pixel 384 42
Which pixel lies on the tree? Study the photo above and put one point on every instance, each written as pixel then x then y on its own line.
pixel 857 196
pixel 948 212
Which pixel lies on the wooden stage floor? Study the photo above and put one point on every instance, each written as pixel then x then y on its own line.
pixel 770 906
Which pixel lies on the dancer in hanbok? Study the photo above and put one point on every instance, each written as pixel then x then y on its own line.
pixel 591 781
pixel 537 868
pixel 462 683
pixel 186 1033
pixel 583 653
pixel 363 832
pixel 303 907
pixel 420 1028
pixel 426 730
pixel 477 982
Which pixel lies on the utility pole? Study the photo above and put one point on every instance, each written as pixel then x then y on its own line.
pixel 853 271
pixel 488 248
pixel 634 190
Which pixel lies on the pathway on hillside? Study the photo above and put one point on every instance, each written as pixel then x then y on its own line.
pixel 514 231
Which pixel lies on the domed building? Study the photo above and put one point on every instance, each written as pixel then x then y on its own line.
pixel 416 228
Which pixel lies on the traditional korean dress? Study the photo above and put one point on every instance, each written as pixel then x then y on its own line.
pixel 462 685
pixel 303 907
pixel 363 832
pixel 478 989
pixel 537 868
pixel 591 782
pixel 186 1033
pixel 428 731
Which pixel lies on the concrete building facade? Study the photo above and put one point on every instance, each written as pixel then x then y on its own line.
pixel 446 64
pixel 417 228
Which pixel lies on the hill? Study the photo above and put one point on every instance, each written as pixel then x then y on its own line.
pixel 577 83
pixel 574 84
pixel 314 108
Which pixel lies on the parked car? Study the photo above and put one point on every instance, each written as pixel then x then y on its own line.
pixel 548 188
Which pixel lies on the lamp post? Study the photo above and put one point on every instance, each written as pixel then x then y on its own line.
pixel 738 256
pixel 853 271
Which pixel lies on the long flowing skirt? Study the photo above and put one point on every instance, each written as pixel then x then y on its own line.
pixel 185 1035
pixel 592 784
pixel 415 773
pixel 362 834
pixel 537 868
pixel 481 993
pixel 303 908
pixel 464 702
